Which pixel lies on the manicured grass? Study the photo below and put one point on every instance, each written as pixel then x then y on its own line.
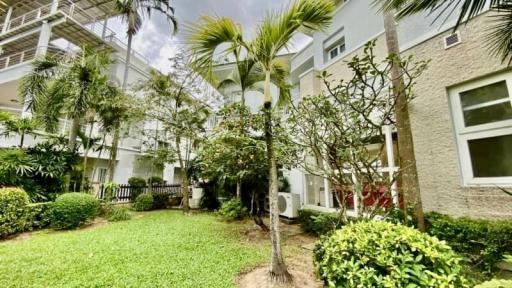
pixel 160 249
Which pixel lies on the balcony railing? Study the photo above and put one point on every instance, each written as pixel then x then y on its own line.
pixel 76 13
pixel 17 58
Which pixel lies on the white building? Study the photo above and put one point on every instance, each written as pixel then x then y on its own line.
pixel 30 29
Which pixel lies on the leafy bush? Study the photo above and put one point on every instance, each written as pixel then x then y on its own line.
pixel 13 205
pixel 155 180
pixel 318 223
pixel 160 200
pixel 138 185
pixel 38 215
pixel 482 242
pixel 495 283
pixel 233 210
pixel 381 254
pixel 115 214
pixel 71 210
pixel 143 202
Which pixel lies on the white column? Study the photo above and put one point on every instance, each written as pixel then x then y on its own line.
pixel 44 39
pixel 388 133
pixel 55 6
pixel 7 19
pixel 327 193
pixel 355 195
pixel 105 26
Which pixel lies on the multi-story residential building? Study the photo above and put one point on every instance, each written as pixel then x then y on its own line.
pixel 30 29
pixel 461 116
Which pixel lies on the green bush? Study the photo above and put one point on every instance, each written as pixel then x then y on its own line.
pixel 138 184
pixel 71 210
pixel 156 180
pixel 144 202
pixel 482 242
pixel 13 206
pixel 38 215
pixel 496 283
pixel 160 200
pixel 115 214
pixel 233 210
pixel 382 254
pixel 318 223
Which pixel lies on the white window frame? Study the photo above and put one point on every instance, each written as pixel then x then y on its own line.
pixel 337 47
pixel 464 134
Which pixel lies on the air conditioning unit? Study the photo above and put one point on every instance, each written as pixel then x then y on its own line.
pixel 288 204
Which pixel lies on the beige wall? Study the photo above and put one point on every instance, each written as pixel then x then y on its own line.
pixel 434 138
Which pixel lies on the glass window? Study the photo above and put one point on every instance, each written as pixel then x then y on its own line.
pixel 333 53
pixel 486 104
pixel 491 157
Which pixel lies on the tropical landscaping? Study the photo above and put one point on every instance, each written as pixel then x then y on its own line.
pixel 58 230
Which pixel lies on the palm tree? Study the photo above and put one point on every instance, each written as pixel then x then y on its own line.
pixel 133 12
pixel 273 36
pixel 18 126
pixel 69 85
pixel 500 35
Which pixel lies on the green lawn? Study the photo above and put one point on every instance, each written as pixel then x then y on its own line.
pixel 160 249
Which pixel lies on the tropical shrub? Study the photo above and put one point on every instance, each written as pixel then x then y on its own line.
pixel 143 202
pixel 495 283
pixel 382 254
pixel 137 184
pixel 482 242
pixel 13 204
pixel 72 210
pixel 38 215
pixel 156 180
pixel 160 200
pixel 318 223
pixel 233 210
pixel 115 214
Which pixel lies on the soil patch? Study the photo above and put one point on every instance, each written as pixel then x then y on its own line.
pixel 259 278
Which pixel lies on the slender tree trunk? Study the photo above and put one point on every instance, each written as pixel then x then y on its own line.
pixel 113 153
pixel 22 136
pixel 243 97
pixel 278 271
pixel 86 153
pixel 239 190
pixel 127 62
pixel 185 182
pixel 73 133
pixel 407 159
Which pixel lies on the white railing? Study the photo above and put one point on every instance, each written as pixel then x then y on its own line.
pixel 76 13
pixel 17 58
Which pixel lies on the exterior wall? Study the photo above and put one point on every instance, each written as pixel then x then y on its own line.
pixel 434 137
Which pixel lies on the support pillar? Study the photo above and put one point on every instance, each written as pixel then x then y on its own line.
pixel 55 6
pixel 388 133
pixel 7 20
pixel 44 39
pixel 327 193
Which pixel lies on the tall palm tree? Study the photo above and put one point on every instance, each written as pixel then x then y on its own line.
pixel 133 12
pixel 500 33
pixel 273 36
pixel 69 85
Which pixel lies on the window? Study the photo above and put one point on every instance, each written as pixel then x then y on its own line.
pixel 482 113
pixel 102 175
pixel 337 49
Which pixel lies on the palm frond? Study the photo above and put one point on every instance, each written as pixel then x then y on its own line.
pixel 500 34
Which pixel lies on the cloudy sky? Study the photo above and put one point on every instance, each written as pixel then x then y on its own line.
pixel 157 44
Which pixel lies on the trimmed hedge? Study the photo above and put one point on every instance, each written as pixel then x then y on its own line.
pixel 482 242
pixel 72 210
pixel 13 207
pixel 318 223
pixel 382 254
pixel 144 202
pixel 495 283
pixel 138 184
pixel 38 215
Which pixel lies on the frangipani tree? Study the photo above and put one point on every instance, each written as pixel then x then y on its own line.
pixel 272 37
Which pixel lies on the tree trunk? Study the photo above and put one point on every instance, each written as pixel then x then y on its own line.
pixel 243 97
pixel 185 183
pixel 22 136
pixel 278 270
pixel 73 133
pixel 113 153
pixel 127 62
pixel 407 159
pixel 86 153
pixel 239 190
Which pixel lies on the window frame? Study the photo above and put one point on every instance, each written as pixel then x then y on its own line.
pixel 338 49
pixel 464 134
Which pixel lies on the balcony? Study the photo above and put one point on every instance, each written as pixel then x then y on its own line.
pixel 77 26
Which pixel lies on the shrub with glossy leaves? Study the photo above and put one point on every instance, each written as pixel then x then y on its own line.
pixel 233 210
pixel 13 205
pixel 143 202
pixel 72 210
pixel 38 215
pixel 381 254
